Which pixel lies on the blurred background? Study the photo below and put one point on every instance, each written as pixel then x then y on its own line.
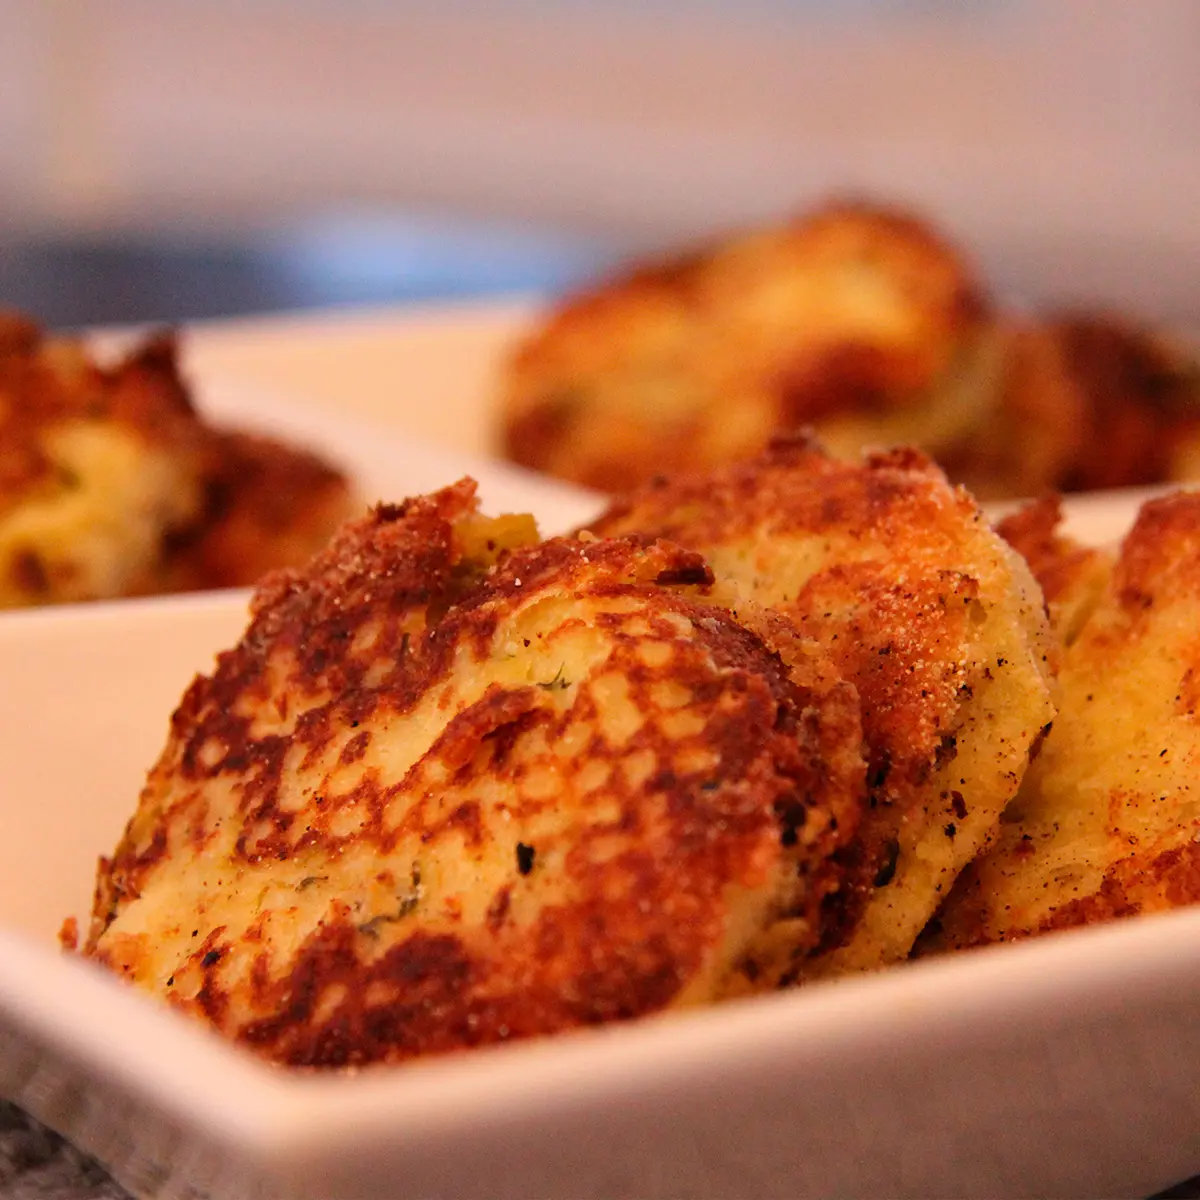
pixel 169 159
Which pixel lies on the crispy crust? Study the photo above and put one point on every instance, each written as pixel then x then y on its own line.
pixel 111 484
pixel 926 612
pixel 267 505
pixel 1072 576
pixel 850 313
pixel 444 793
pixel 1089 401
pixel 46 383
pixel 97 466
pixel 1143 401
pixel 1107 822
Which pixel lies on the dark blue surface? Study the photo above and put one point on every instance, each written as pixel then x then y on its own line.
pixel 130 277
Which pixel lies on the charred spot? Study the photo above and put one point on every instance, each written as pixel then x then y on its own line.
pixel 833 512
pixel 946 751
pixel 958 805
pixel 504 737
pixel 355 748
pixel 887 867
pixel 468 817
pixel 878 771
pixel 662 781
pixel 526 855
pixel 696 572
pixel 458 744
pixel 425 957
pixel 950 829
pixel 792 819
pixel 153 853
pixel 497 910
pixel 28 572
pixel 211 958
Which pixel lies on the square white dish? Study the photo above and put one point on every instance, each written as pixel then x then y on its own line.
pixel 1059 1067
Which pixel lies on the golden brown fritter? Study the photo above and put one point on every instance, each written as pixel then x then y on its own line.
pixel 932 617
pixel 1072 576
pixel 862 323
pixel 1088 401
pixel 111 483
pixel 267 505
pixel 97 466
pixel 1107 821
pixel 454 787
pixel 856 320
pixel 1143 402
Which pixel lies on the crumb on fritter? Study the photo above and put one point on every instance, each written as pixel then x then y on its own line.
pixel 1108 819
pixel 932 617
pixel 455 786
pixel 857 320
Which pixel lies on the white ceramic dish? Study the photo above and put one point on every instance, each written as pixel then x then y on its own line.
pixel 1060 1067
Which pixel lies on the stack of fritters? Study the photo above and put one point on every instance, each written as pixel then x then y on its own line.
pixel 864 324
pixel 1107 821
pixel 454 787
pixel 112 485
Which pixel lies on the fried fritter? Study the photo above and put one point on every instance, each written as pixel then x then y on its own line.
pixel 932 617
pixel 1108 819
pixel 862 323
pixel 97 467
pixel 857 321
pixel 1088 401
pixel 1072 576
pixel 111 483
pixel 267 505
pixel 455 787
